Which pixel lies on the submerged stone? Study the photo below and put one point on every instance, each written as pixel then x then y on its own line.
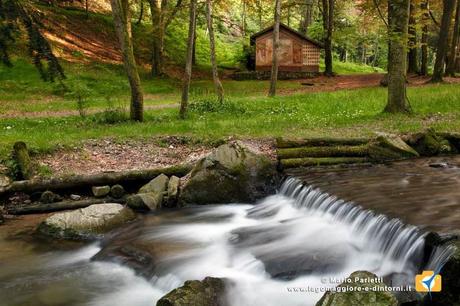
pixel 86 223
pixel 208 292
pixel 232 173
pixel 359 298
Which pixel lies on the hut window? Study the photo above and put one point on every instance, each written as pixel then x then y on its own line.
pixel 297 53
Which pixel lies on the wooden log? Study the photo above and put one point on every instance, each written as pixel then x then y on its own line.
pixel 57 206
pixel 295 143
pixel 106 178
pixel 321 161
pixel 326 151
pixel 22 158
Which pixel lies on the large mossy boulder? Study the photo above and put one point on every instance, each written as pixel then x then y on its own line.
pixel 390 147
pixel 232 173
pixel 86 223
pixel 365 297
pixel 208 292
pixel 429 143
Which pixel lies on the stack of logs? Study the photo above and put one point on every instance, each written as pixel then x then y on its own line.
pixel 324 151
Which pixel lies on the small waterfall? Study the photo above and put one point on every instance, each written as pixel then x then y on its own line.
pixel 399 242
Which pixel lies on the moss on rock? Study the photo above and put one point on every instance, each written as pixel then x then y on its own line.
pixel 232 173
pixel 208 292
pixel 389 147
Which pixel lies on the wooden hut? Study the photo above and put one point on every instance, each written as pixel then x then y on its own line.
pixel 297 51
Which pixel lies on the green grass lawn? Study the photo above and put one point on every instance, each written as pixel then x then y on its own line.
pixel 340 113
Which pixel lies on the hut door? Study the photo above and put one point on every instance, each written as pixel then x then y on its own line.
pixel 297 53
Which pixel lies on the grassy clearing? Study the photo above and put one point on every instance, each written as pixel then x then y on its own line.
pixel 347 112
pixel 101 86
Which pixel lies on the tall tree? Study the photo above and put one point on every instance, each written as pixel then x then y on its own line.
pixel 188 63
pixel 307 16
pixel 162 15
pixel 212 48
pixel 413 51
pixel 122 21
pixel 443 44
pixel 16 16
pixel 424 39
pixel 398 22
pixel 452 57
pixel 328 25
pixel 276 47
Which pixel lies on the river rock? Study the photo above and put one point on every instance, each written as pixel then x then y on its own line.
pixel 208 292
pixel 75 197
pixel 117 191
pixel 232 173
pixel 145 201
pixel 173 191
pixel 86 223
pixel 49 197
pixel 100 191
pixel 361 298
pixel 4 180
pixel 158 185
pixel 429 143
pixel 390 147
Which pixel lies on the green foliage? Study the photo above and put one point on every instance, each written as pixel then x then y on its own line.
pixel 228 48
pixel 208 105
pixel 16 16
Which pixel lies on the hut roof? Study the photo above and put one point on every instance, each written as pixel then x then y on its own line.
pixel 289 29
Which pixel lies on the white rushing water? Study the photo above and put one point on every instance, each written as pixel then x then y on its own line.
pixel 300 238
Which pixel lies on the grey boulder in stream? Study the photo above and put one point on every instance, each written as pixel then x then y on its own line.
pixel 232 173
pixel 86 223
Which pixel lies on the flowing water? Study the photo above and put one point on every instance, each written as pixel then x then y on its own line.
pixel 272 253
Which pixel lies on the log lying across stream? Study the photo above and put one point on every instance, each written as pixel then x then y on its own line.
pixel 57 206
pixel 79 181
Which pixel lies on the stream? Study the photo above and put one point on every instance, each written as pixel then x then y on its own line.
pixel 277 252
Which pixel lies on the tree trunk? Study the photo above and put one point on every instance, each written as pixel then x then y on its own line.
pixel 158 37
pixel 212 45
pixel 398 22
pixel 454 44
pixel 328 24
pixel 424 42
pixel 412 54
pixel 441 52
pixel 141 13
pixel 276 46
pixel 194 47
pixel 188 64
pixel 306 17
pixel 87 8
pixel 122 21
pixel 22 159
